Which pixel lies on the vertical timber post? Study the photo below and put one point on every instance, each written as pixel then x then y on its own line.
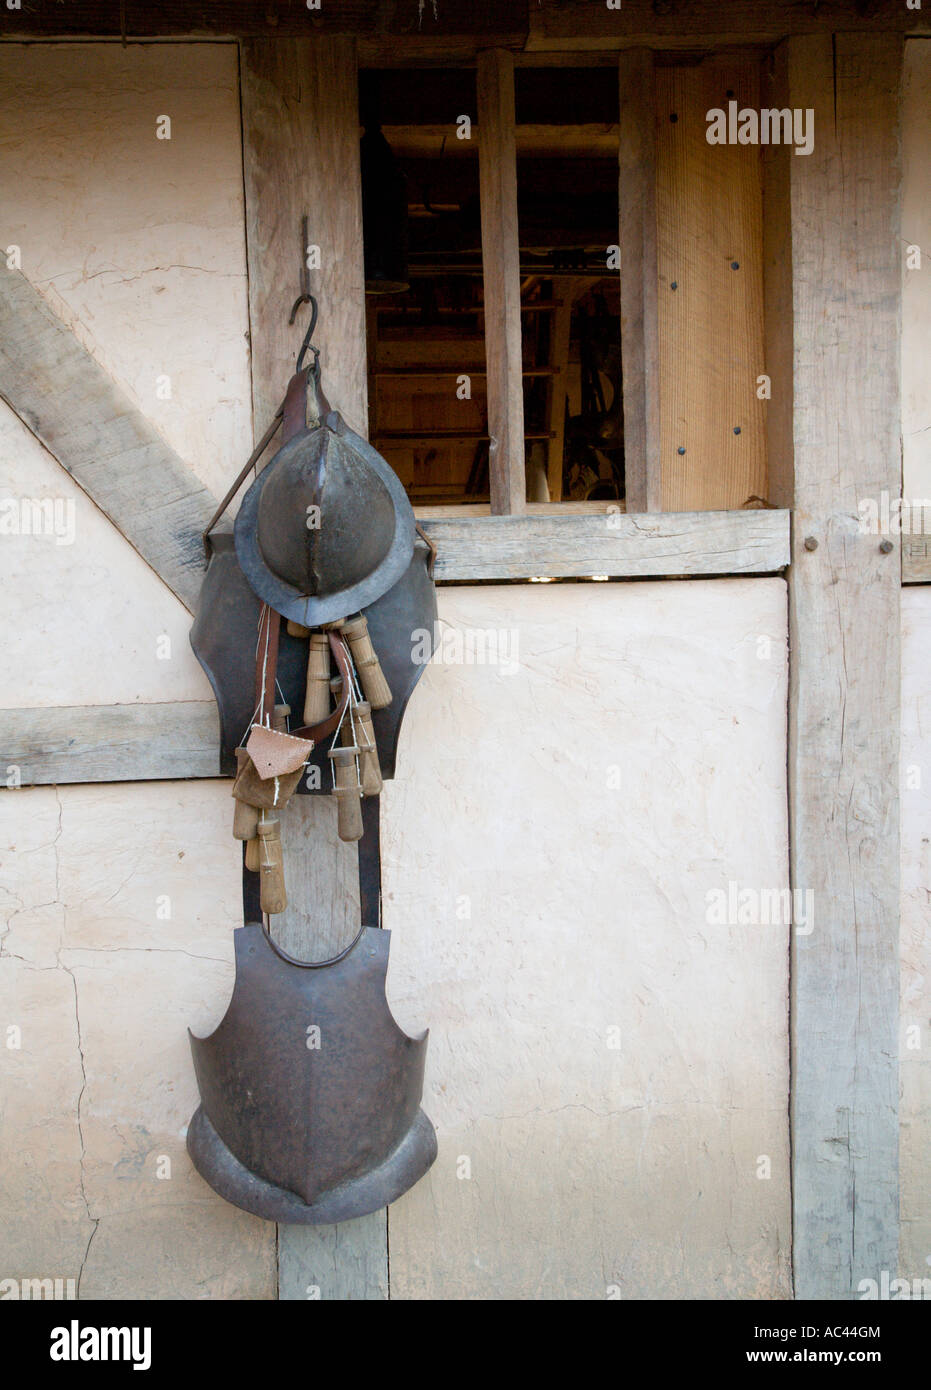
pixel 501 263
pixel 838 270
pixel 639 312
pixel 301 156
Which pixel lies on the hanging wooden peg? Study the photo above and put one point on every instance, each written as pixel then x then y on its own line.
pixel 348 792
pixel 245 816
pixel 271 864
pixel 377 689
pixel 363 736
pixel 317 697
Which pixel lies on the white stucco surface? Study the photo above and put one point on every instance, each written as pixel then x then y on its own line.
pixel 87 622
pixel 579 808
pixel 548 847
pixel 915 1028
pixel 138 241
pixel 118 904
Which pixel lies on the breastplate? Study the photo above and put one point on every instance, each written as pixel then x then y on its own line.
pixel 310 1091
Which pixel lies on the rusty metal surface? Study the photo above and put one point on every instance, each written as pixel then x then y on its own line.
pixel 304 1127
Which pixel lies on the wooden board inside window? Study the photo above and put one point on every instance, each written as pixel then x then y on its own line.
pixel 710 247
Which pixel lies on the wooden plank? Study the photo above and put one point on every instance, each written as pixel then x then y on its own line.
pixel 844 687
pixel 916 559
pixel 400 32
pixel 110 743
pixel 710 239
pixel 778 342
pixel 916 311
pixel 639 315
pixel 581 140
pixel 301 155
pixel 393 20
pixel 618 544
pixel 560 337
pixel 580 24
pixel 345 1264
pixel 501 262
pixel 465 509
pixel 95 432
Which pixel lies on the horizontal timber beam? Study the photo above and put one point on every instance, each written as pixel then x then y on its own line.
pixel 386 20
pixel 98 436
pixel 109 743
pixel 398 31
pixel 579 24
pixel 619 544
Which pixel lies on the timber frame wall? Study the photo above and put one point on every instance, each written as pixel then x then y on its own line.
pixel 832 313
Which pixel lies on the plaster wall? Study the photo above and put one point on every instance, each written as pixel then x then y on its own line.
pixel 137 241
pixel 608 1065
pixel 611 1064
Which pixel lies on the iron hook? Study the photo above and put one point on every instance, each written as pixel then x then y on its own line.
pixel 307 337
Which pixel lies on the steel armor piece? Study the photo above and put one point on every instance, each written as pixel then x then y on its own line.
pixel 310 1092
pixel 326 528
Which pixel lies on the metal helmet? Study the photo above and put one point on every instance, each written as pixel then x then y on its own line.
pixel 326 528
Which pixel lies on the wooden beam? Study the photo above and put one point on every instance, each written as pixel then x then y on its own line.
pixel 844 638
pixel 683 24
pixel 589 140
pixel 501 262
pixel 639 317
pixel 301 137
pixel 778 343
pixel 618 544
pixel 916 559
pixel 301 155
pixel 402 32
pixel 709 212
pixel 396 20
pixel 110 743
pixel 98 436
pixel 557 387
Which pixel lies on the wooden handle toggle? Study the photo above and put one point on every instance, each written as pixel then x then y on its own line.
pixel 377 689
pixel 271 864
pixel 317 696
pixel 348 792
pixel 363 734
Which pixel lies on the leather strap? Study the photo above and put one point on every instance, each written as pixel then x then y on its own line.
pixel 266 664
pixel 251 893
pixel 295 405
pixel 370 862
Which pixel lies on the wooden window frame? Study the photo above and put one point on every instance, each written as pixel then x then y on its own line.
pixel 508 538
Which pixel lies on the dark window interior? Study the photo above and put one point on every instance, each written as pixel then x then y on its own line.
pixel 426 341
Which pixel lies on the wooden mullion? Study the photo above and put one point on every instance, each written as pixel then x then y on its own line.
pixel 844 710
pixel 501 267
pixel 639 313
